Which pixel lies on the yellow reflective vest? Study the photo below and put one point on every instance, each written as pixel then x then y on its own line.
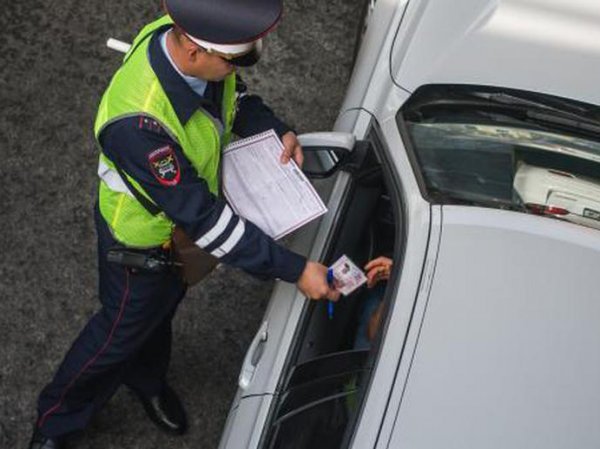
pixel 136 91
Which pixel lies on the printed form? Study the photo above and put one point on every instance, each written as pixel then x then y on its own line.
pixel 277 198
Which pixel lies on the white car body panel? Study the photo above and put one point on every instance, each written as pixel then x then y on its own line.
pixel 371 82
pixel 375 427
pixel 509 360
pixel 246 418
pixel 406 289
pixel 549 46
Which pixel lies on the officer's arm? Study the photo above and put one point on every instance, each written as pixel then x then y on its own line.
pixel 254 116
pixel 186 199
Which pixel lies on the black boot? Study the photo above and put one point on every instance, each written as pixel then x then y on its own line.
pixel 40 441
pixel 165 410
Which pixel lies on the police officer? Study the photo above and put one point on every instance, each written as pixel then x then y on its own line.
pixel 162 122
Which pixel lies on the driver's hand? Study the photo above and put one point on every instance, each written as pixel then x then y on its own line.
pixel 378 270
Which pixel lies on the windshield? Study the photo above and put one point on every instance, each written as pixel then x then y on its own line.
pixel 505 149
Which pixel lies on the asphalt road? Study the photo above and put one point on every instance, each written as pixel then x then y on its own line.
pixel 53 69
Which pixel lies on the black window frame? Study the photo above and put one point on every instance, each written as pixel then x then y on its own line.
pixel 394 190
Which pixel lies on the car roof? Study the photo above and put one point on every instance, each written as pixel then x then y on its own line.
pixel 548 46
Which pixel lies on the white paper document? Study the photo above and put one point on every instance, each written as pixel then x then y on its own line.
pixel 277 198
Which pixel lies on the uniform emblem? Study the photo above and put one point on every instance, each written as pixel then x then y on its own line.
pixel 164 166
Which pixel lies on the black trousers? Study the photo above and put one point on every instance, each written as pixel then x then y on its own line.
pixel 128 341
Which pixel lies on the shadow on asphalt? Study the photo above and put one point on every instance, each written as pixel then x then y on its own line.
pixel 53 70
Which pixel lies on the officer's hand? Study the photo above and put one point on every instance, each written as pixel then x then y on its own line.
pixel 292 149
pixel 313 282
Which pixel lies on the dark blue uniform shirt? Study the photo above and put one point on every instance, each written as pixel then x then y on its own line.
pixel 204 217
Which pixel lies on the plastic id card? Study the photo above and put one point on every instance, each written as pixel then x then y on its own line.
pixel 347 276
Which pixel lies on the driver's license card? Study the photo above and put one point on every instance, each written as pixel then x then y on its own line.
pixel 348 277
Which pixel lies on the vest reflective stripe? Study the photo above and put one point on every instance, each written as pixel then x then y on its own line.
pixel 136 91
pixel 112 179
pixel 217 123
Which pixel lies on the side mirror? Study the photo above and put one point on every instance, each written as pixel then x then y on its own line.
pixel 325 153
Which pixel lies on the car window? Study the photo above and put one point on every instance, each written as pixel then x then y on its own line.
pixel 319 397
pixel 322 425
pixel 506 149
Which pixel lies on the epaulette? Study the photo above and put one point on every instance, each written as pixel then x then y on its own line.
pixel 149 124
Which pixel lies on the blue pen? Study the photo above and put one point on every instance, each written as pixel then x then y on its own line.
pixel 330 303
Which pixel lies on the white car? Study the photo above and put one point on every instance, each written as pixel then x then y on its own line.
pixel 490 336
pixel 559 194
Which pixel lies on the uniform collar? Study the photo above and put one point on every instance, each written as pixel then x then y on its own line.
pixel 184 100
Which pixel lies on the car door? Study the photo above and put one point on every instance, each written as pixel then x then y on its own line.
pixel 303 364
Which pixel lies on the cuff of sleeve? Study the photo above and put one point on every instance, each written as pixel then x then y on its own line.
pixel 281 128
pixel 293 268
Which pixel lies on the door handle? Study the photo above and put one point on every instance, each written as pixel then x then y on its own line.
pixel 253 356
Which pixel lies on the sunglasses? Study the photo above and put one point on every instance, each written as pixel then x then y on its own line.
pixel 241 60
pixel 244 60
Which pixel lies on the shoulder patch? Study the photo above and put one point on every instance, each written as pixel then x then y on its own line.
pixel 165 166
pixel 149 124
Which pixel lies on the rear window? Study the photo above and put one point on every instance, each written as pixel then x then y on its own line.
pixel 506 149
